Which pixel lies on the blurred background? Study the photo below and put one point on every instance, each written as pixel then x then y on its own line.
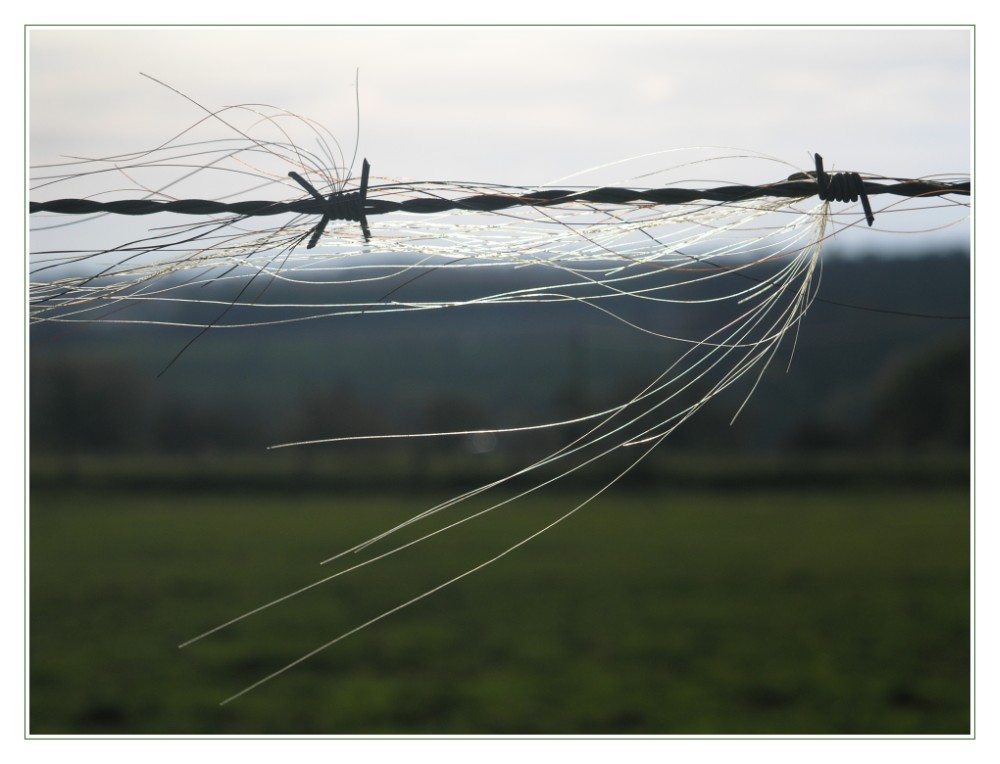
pixel 803 569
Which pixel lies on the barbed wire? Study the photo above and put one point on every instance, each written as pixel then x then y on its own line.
pixel 357 205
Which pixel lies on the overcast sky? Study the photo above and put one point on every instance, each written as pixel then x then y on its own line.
pixel 524 105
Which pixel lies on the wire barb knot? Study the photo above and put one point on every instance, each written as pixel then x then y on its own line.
pixel 842 187
pixel 339 205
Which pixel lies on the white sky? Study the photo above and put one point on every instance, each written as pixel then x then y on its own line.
pixel 525 105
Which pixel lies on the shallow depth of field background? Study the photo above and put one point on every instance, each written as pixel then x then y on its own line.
pixel 804 569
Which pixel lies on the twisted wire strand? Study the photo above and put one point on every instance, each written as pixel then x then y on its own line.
pixel 351 205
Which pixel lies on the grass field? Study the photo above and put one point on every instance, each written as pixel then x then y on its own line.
pixel 764 611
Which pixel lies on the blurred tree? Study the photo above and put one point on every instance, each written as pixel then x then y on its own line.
pixel 337 412
pixel 78 406
pixel 452 413
pixel 925 402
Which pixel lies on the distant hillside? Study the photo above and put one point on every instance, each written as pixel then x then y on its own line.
pixel 95 388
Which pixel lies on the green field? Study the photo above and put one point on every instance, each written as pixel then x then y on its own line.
pixel 762 611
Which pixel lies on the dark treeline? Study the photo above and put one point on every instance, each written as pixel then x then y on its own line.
pixel 858 380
